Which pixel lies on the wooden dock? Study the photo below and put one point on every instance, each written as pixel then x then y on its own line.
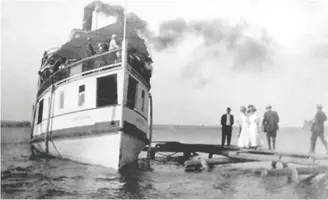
pixel 315 164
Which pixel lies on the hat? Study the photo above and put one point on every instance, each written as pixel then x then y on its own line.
pixel 251 108
pixel 114 35
pixel 268 106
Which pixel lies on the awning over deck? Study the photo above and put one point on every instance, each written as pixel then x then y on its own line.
pixel 76 48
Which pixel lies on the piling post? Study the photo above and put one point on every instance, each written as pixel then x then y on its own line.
pixel 150 154
pixel 49 116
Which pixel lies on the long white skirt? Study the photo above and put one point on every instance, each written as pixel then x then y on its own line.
pixel 254 135
pixel 244 137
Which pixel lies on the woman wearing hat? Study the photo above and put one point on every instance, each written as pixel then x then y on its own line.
pixel 254 122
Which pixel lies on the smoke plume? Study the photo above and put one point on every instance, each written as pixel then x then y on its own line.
pixel 218 37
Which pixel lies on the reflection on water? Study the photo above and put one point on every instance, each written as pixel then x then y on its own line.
pixel 24 176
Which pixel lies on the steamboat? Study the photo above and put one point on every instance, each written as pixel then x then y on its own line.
pixel 93 95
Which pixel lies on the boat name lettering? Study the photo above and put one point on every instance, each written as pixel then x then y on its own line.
pixel 82 117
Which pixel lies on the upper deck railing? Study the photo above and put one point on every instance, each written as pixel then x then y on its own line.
pixel 61 72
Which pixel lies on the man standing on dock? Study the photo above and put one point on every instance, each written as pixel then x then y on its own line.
pixel 318 129
pixel 227 121
pixel 270 126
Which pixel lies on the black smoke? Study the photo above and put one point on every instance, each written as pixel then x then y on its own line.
pixel 248 51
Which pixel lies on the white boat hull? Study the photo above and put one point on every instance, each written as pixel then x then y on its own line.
pixel 115 150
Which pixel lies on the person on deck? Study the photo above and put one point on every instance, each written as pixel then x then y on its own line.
pixel 227 121
pixel 101 48
pixel 270 126
pixel 317 129
pixel 90 47
pixel 114 46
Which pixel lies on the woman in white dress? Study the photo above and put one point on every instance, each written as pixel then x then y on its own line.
pixel 254 122
pixel 244 139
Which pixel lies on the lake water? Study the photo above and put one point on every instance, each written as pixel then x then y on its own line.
pixel 26 177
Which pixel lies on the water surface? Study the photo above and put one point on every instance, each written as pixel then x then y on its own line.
pixel 44 177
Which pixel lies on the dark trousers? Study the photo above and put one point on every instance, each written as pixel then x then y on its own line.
pixel 314 137
pixel 226 133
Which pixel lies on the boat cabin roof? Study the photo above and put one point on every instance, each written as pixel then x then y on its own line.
pixel 76 47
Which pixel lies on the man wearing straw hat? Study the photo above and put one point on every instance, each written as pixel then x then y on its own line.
pixel 270 126
pixel 317 129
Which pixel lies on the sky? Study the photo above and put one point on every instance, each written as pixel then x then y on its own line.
pixel 280 56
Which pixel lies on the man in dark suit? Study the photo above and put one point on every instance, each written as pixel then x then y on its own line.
pixel 227 121
pixel 270 126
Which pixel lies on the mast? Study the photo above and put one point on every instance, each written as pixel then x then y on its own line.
pixel 124 62
pixel 124 42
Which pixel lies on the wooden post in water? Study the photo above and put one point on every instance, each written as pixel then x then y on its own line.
pixel 34 111
pixel 149 154
pixel 49 116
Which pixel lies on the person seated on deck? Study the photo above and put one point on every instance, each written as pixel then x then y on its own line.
pixel 148 66
pixel 100 48
pixel 100 61
pixel 114 46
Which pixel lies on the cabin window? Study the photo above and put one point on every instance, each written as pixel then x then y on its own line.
pixel 81 95
pixel 61 100
pixel 107 90
pixel 132 91
pixel 40 112
pixel 142 100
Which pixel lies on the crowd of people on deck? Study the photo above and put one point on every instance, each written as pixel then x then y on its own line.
pixel 50 64
pixel 250 126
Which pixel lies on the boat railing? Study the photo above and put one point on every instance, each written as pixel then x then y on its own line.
pixel 49 54
pixel 83 67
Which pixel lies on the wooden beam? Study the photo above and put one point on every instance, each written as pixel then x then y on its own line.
pixel 273 158
pixel 284 154
pixel 214 161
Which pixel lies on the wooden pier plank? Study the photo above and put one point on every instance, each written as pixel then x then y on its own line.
pixel 234 153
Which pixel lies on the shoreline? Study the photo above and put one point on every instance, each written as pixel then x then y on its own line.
pixel 15 124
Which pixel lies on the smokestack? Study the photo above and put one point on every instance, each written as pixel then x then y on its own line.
pixel 87 16
pixel 107 9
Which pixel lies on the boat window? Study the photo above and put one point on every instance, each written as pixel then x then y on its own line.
pixel 40 112
pixel 142 100
pixel 61 100
pixel 81 95
pixel 107 90
pixel 132 90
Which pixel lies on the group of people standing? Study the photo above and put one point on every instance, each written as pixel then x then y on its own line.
pixel 249 127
